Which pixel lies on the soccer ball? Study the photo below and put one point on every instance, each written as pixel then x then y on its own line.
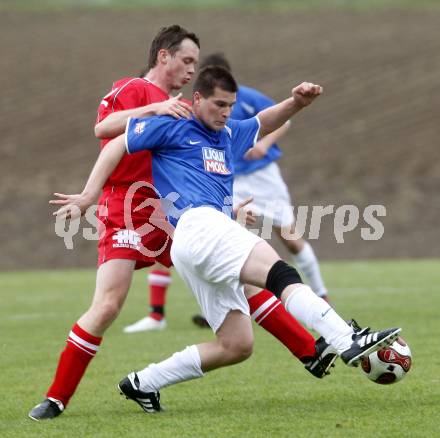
pixel 388 365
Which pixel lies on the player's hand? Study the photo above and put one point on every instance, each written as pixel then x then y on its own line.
pixel 174 107
pixel 243 214
pixel 304 94
pixel 73 206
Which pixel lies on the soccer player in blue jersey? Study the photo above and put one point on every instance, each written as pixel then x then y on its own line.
pixel 193 172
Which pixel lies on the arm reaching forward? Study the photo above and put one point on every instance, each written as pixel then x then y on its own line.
pixel 275 116
pixel 73 206
pixel 260 149
pixel 114 124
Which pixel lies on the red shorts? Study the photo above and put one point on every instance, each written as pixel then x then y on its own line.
pixel 129 230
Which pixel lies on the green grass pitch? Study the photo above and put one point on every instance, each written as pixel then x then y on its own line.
pixel 270 395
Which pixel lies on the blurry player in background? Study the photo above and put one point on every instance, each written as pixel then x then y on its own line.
pixel 173 57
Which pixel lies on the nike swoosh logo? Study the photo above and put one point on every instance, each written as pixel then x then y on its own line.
pixel 325 313
pixel 194 142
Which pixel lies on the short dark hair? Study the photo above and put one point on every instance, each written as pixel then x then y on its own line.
pixel 216 59
pixel 214 76
pixel 170 38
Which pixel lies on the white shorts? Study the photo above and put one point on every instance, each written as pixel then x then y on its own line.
pixel 209 249
pixel 270 193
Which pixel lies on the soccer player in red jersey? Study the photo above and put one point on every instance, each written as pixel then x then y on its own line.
pixel 138 97
pixel 174 54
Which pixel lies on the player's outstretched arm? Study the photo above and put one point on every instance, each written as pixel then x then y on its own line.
pixel 260 148
pixel 273 117
pixel 114 124
pixel 73 206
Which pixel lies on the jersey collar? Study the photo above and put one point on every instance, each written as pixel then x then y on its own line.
pixel 214 135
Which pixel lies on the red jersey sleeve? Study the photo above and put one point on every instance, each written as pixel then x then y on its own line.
pixel 125 94
pixel 129 93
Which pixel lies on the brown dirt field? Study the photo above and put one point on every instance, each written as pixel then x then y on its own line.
pixel 373 137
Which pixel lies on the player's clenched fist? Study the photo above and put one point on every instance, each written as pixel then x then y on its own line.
pixel 305 93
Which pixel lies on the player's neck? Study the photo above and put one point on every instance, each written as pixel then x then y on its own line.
pixel 212 131
pixel 159 80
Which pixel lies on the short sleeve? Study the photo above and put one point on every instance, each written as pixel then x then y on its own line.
pixel 147 133
pixel 244 134
pixel 120 98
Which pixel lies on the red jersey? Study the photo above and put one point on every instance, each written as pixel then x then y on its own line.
pixel 129 93
pixel 118 239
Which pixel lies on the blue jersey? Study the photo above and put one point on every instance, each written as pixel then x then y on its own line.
pixel 191 160
pixel 249 103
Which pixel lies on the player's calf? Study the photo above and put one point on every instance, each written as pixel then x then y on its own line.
pixel 234 343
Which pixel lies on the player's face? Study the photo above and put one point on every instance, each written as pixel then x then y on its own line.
pixel 214 110
pixel 182 65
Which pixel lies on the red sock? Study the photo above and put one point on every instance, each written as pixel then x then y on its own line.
pixel 159 280
pixel 269 313
pixel 80 349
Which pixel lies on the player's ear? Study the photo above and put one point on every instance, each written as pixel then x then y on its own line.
pixel 197 97
pixel 162 56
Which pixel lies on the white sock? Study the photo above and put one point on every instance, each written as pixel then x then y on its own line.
pixel 181 366
pixel 308 264
pixel 318 315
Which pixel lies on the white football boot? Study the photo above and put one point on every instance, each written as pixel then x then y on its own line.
pixel 146 324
